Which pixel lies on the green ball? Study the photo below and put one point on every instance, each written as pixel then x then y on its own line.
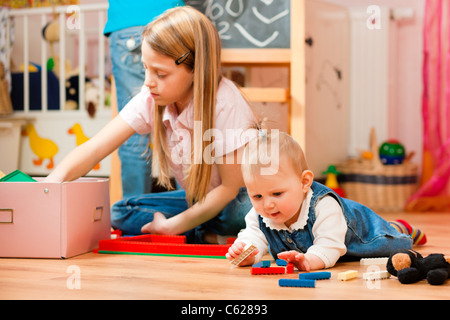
pixel 392 152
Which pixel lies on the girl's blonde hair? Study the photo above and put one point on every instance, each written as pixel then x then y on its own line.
pixel 189 37
pixel 262 154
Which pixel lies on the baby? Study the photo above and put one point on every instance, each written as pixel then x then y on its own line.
pixel 301 221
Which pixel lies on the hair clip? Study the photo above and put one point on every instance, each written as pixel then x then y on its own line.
pixel 183 58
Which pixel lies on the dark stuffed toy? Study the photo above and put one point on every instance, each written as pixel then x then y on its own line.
pixel 410 266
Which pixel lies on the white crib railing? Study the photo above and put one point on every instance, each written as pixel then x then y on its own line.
pixel 56 127
pixel 71 23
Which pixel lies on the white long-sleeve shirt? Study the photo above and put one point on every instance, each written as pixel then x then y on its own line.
pixel 329 230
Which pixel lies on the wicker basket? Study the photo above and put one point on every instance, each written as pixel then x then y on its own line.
pixel 383 188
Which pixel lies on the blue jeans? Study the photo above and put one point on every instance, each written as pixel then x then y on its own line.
pixel 131 214
pixel 129 75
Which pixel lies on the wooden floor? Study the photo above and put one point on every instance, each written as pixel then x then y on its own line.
pixel 105 276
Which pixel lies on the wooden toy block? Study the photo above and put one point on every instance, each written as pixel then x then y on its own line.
pixel 247 251
pixel 315 275
pixel 347 275
pixel 290 268
pixel 303 283
pixel 262 264
pixel 271 270
pixel 377 275
pixel 281 262
pixel 373 261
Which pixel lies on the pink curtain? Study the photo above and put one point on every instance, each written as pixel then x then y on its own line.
pixel 434 192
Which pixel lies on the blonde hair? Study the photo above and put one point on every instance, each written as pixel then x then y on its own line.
pixel 265 152
pixel 189 37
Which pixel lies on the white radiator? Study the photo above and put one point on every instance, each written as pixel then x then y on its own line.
pixel 369 76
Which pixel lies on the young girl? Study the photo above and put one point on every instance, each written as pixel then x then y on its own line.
pixel 183 98
pixel 302 221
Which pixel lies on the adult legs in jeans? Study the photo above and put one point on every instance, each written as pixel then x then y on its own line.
pixel 134 154
pixel 130 214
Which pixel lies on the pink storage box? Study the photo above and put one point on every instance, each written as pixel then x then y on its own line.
pixel 53 220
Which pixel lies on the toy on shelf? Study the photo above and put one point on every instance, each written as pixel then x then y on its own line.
pixel 51 33
pixel 161 245
pixel 392 152
pixel 410 266
pixel 332 181
pixel 5 99
pixel 381 187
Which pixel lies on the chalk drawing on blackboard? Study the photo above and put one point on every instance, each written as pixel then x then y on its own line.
pixel 256 42
pixel 249 23
pixel 271 20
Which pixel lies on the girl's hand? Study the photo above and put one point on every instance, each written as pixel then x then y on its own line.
pixel 159 225
pixel 299 260
pixel 236 249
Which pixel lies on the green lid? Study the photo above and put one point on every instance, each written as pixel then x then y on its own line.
pixel 17 176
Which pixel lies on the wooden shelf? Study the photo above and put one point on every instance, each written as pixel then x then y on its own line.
pixel 256 56
pixel 280 95
pixel 293 58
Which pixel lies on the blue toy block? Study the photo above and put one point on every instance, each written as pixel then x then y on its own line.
pixel 266 263
pixel 281 263
pixel 297 283
pixel 315 275
pixel 262 264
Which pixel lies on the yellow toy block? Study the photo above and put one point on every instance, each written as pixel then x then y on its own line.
pixel 347 275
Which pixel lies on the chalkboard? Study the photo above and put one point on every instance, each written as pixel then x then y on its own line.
pixel 249 23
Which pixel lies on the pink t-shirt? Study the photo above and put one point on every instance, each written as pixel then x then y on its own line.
pixel 233 118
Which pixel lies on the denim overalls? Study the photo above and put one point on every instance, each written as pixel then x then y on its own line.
pixel 368 235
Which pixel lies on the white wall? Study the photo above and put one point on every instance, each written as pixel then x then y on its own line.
pixel 405 67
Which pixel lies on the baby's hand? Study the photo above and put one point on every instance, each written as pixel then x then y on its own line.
pixel 298 259
pixel 236 249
